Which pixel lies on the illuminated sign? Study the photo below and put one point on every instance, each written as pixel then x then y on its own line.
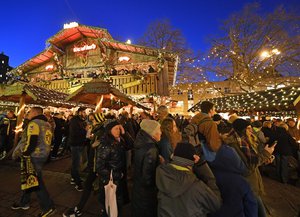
pixel 49 67
pixel 84 48
pixel 124 58
pixel 70 25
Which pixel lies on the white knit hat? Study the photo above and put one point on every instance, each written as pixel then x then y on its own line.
pixel 150 126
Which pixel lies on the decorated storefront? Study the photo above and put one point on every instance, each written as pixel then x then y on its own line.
pixel 78 54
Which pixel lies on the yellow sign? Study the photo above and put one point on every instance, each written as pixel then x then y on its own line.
pixel 131 84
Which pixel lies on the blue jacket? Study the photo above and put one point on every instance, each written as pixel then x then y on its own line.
pixel 238 198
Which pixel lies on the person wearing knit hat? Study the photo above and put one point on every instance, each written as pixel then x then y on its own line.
pixel 151 127
pixel 146 159
pixel 181 193
pixel 111 159
pixel 257 126
pixel 248 150
pixel 185 154
pixel 99 117
pixel 240 125
pixel 97 132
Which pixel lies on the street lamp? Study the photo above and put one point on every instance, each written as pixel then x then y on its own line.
pixel 267 54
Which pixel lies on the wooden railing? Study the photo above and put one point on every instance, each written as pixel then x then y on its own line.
pixel 147 85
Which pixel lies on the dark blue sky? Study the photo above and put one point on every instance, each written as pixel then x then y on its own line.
pixel 26 25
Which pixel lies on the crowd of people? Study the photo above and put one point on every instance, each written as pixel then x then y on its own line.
pixel 173 174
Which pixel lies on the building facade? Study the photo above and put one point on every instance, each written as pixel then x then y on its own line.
pixel 4 67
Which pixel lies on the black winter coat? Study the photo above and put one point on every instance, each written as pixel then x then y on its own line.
pixel 286 145
pixel 77 131
pixel 111 156
pixel 146 160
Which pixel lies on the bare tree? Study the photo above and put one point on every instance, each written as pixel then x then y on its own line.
pixel 255 47
pixel 162 35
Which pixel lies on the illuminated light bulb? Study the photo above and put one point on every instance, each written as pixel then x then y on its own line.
pixel 128 41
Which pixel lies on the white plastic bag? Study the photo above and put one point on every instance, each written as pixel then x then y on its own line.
pixel 111 198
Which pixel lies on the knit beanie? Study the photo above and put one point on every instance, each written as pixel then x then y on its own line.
pixel 217 117
pixel 240 124
pixel 111 124
pixel 99 117
pixel 150 126
pixel 184 154
pixel 257 124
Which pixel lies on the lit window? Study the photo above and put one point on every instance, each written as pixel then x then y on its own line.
pixel 190 95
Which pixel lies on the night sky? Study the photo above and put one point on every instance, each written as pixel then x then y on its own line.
pixel 26 25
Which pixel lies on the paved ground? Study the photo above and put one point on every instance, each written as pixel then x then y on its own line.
pixel 281 200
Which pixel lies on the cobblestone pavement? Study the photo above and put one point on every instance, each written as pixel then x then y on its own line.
pixel 281 200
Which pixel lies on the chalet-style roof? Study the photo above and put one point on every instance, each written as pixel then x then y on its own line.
pixel 59 41
pixel 112 97
pixel 283 99
pixel 36 95
pixel 67 36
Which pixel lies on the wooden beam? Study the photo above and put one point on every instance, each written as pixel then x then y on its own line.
pixel 20 116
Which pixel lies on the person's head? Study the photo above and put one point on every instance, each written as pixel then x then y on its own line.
pixel 47 113
pixel 11 114
pixel 144 115
pixel 185 154
pixel 284 125
pixel 277 122
pixel 112 130
pixel 162 112
pixel 170 130
pixel 267 124
pixel 34 111
pixel 70 116
pixel 152 128
pixel 242 127
pixel 217 118
pixel 90 118
pixel 232 118
pixel 208 108
pixel 291 122
pixel 81 112
pixel 257 124
pixel 168 125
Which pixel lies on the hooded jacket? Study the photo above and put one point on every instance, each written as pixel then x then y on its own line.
pixel 182 194
pixel 252 162
pixel 209 129
pixel 238 198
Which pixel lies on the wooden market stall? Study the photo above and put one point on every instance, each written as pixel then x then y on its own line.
pixel 80 53
pixel 103 95
pixel 25 93
pixel 275 100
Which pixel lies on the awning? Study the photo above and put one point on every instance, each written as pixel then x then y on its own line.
pixel 112 98
pixel 36 95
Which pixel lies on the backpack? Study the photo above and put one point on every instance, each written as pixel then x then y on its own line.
pixel 192 135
